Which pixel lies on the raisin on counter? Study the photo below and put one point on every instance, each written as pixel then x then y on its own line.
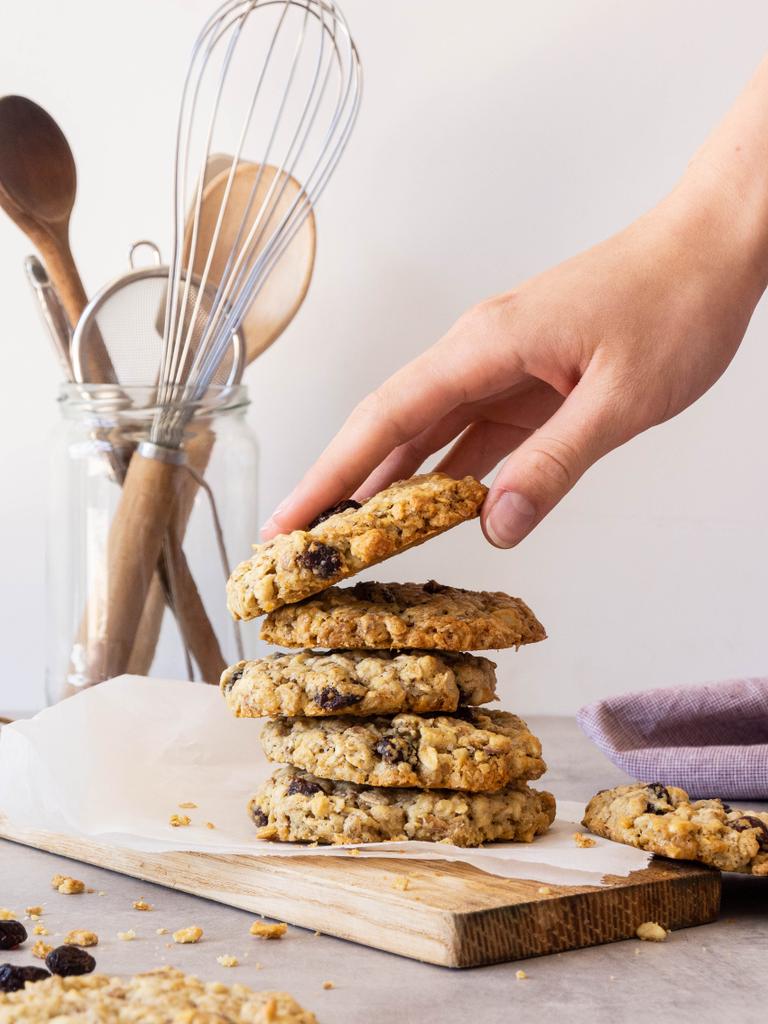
pixel 12 934
pixel 66 960
pixel 13 978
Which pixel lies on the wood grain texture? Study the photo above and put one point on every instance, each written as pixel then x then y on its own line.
pixel 450 914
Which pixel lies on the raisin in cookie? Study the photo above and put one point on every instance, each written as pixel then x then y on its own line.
pixel 357 683
pixel 350 538
pixel 164 995
pixel 294 806
pixel 662 819
pixel 480 751
pixel 386 615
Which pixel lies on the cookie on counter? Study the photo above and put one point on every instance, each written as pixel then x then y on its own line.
pixel 357 683
pixel 386 615
pixel 351 537
pixel 663 820
pixel 165 994
pixel 295 806
pixel 476 750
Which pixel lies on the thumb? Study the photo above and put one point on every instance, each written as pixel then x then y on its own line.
pixel 546 466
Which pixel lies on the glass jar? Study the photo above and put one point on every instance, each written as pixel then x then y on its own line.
pixel 170 619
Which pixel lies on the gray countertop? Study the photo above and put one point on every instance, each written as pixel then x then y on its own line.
pixel 712 973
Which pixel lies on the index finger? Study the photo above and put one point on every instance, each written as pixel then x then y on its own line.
pixel 409 401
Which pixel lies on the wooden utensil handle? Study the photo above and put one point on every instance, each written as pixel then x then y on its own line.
pixel 145 511
pixel 198 633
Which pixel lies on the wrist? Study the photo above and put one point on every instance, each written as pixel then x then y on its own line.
pixel 721 223
pixel 723 195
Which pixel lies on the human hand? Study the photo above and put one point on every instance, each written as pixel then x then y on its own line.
pixel 564 368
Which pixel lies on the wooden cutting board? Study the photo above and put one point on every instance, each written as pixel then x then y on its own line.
pixel 436 911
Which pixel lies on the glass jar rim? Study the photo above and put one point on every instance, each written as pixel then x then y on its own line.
pixel 142 399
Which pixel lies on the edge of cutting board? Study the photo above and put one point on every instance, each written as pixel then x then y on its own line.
pixel 450 914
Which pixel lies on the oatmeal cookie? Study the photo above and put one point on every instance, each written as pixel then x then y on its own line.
pixel 480 751
pixel 295 565
pixel 662 819
pixel 294 806
pixel 163 996
pixel 357 683
pixel 422 615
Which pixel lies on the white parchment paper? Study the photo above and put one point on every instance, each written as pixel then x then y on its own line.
pixel 114 762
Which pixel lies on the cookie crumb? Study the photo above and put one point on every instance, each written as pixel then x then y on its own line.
pixel 521 975
pixel 188 805
pixel 190 934
pixel 8 915
pixel 227 961
pixel 317 934
pixel 142 905
pixel 401 882
pixel 161 931
pixel 101 893
pixel 179 820
pixel 354 852
pixel 80 937
pixel 41 949
pixel 544 890
pixel 583 840
pixel 268 931
pixel 209 824
pixel 650 931
pixel 328 985
pixel 34 912
pixel 128 936
pixel 40 929
pixel 66 885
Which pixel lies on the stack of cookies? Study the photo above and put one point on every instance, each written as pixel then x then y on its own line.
pixel 378 712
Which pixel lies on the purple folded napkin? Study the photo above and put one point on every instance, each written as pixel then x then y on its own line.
pixel 710 740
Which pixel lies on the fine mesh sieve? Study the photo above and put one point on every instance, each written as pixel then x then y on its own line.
pixel 127 317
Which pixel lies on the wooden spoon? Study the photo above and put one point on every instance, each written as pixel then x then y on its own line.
pixel 38 184
pixel 284 290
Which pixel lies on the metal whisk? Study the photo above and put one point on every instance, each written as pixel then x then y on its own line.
pixel 280 79
pixel 297 117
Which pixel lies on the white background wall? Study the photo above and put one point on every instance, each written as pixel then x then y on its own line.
pixel 496 138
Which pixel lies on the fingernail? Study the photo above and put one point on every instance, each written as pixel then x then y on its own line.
pixel 510 519
pixel 269 526
pixel 272 523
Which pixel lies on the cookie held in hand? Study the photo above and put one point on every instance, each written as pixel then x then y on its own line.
pixel 351 538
